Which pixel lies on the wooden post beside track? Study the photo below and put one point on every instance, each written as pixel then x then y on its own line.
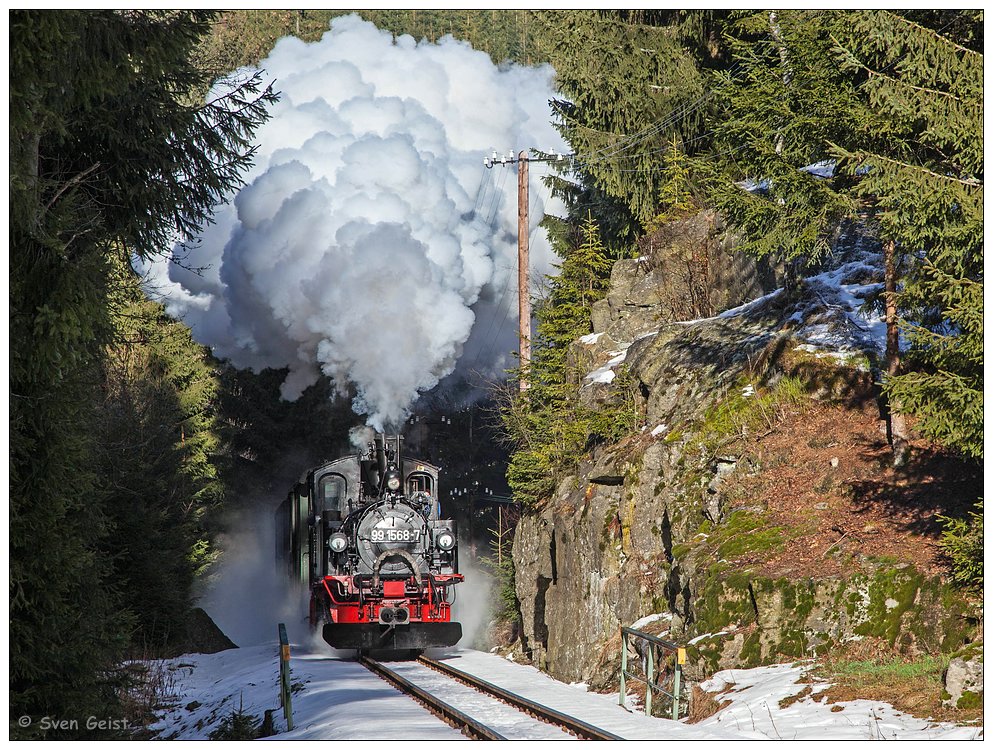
pixel 285 694
pixel 677 674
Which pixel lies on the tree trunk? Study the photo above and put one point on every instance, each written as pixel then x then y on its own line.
pixel 896 423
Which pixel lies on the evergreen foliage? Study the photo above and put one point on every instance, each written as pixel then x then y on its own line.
pixel 500 564
pixel 631 81
pixel 890 110
pixel 547 424
pixel 245 37
pixel 781 104
pixel 108 157
pixel 238 725
pixel 928 182
pixel 962 543
pixel 269 442
pixel 158 443
pixel 634 106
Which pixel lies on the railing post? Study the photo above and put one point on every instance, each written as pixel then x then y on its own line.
pixel 624 664
pixel 650 674
pixel 677 673
pixel 285 696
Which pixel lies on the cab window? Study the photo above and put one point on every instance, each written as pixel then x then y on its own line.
pixel 333 492
pixel 419 483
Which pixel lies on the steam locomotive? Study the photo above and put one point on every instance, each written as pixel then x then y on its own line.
pixel 364 533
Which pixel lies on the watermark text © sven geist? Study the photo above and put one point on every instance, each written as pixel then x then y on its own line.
pixel 46 723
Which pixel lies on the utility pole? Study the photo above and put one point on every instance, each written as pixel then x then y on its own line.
pixel 523 251
pixel 523 265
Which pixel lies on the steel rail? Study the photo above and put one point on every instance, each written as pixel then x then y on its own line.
pixel 571 724
pixel 469 726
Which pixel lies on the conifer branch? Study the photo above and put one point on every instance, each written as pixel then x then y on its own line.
pixel 866 155
pixel 936 34
pixel 899 82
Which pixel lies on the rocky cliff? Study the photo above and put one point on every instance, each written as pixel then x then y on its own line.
pixel 749 509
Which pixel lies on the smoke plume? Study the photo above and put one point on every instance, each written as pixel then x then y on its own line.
pixel 369 238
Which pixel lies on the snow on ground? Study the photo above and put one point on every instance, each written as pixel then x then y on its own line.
pixel 606 373
pixel 755 696
pixel 833 318
pixel 338 699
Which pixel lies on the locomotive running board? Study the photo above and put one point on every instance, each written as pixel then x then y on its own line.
pixel 416 635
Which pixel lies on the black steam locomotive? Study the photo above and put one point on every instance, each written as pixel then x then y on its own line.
pixel 364 533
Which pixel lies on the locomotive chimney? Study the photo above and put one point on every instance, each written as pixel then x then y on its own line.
pixel 380 441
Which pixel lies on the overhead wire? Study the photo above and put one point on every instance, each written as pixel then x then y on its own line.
pixel 485 181
pixel 497 193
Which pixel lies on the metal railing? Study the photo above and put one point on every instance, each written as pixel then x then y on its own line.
pixel 657 650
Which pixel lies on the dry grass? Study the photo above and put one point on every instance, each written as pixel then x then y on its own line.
pixel 872 670
pixel 703 705
pixel 148 687
pixel 789 700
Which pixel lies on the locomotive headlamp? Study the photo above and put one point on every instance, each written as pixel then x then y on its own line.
pixel 445 540
pixel 393 481
pixel 338 542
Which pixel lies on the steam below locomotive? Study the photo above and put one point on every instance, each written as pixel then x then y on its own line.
pixel 364 533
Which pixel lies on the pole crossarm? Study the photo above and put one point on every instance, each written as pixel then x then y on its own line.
pixel 495 159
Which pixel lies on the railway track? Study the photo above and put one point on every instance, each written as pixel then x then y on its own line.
pixel 565 726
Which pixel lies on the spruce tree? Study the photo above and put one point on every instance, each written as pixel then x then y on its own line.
pixel 547 424
pixel 928 184
pixel 890 110
pixel 110 155
pixel 782 102
pixel 157 454
pixel 629 82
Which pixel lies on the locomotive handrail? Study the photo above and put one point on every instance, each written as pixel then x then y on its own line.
pixel 654 642
pixel 330 594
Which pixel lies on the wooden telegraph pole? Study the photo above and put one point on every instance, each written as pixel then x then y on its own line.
pixel 523 252
pixel 523 264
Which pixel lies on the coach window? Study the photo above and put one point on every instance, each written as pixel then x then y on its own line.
pixel 333 491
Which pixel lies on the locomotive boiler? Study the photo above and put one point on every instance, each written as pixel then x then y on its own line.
pixel 364 533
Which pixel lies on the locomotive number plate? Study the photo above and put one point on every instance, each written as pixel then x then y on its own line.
pixel 394 535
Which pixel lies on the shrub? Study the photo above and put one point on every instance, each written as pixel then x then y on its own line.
pixel 238 725
pixel 962 543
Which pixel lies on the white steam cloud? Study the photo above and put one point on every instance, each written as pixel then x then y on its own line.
pixel 369 238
